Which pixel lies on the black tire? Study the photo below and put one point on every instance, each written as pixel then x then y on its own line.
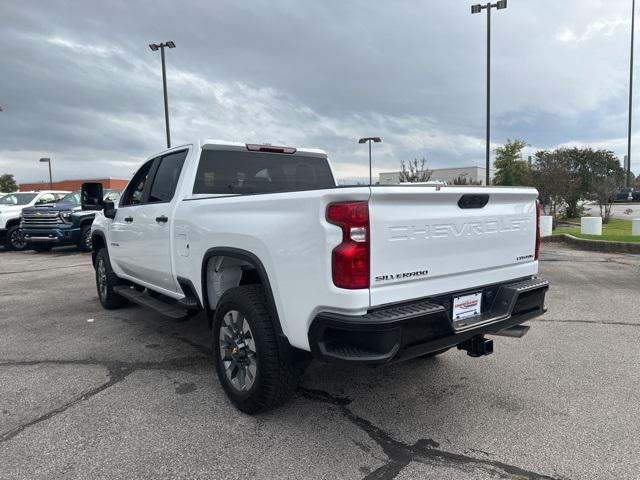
pixel 84 244
pixel 274 379
pixel 13 240
pixel 105 281
pixel 41 247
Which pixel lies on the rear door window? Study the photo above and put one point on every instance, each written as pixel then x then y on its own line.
pixel 246 173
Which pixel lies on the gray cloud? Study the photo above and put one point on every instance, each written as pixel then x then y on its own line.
pixel 78 82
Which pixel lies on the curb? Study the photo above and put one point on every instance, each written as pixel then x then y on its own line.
pixel 594 245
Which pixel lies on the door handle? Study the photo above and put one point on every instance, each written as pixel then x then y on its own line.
pixel 128 219
pixel 162 219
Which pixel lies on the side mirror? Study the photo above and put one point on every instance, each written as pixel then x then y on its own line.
pixel 109 209
pixel 91 196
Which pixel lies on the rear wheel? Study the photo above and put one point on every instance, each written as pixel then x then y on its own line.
pixel 41 247
pixel 84 244
pixel 105 281
pixel 14 240
pixel 249 363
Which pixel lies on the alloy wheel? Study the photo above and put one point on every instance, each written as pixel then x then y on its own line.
pixel 238 351
pixel 16 240
pixel 101 276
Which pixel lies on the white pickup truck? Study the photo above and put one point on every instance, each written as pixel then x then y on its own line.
pixel 288 266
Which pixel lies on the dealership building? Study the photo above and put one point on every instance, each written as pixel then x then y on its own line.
pixel 72 185
pixel 474 174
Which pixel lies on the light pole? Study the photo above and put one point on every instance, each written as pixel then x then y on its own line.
pixel 633 17
pixel 161 46
pixel 48 160
pixel 369 140
pixel 477 9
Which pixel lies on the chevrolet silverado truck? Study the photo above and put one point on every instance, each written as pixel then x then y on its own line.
pixel 62 223
pixel 289 267
pixel 11 206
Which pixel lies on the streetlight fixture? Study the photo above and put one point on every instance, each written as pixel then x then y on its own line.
pixel 502 4
pixel 155 47
pixel 628 162
pixel 369 140
pixel 48 160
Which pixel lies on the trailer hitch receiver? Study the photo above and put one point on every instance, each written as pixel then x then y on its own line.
pixel 477 346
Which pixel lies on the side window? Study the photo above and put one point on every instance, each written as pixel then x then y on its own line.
pixel 112 196
pixel 59 196
pixel 166 177
pixel 46 198
pixel 135 189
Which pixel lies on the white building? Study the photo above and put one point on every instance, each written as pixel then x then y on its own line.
pixel 442 174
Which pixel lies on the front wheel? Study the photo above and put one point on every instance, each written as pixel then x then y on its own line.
pixel 105 281
pixel 84 244
pixel 246 353
pixel 14 240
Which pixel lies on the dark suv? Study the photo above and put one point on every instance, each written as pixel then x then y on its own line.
pixel 61 223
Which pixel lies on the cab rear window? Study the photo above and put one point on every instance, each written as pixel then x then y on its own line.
pixel 246 173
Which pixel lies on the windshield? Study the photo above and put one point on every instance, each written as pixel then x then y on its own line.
pixel 17 198
pixel 73 197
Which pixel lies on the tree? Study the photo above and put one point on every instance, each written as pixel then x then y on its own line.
pixel 464 180
pixel 603 176
pixel 8 183
pixel 414 171
pixel 510 169
pixel 566 176
pixel 603 193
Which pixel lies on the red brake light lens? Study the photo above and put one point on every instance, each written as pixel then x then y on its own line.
pixel 537 253
pixel 350 259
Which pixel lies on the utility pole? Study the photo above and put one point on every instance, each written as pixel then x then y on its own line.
pixel 155 47
pixel 369 140
pixel 633 16
pixel 48 160
pixel 477 9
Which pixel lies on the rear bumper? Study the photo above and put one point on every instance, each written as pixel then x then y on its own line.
pixel 408 330
pixel 57 236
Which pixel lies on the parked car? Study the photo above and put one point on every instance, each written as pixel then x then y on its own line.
pixel 288 266
pixel 11 206
pixel 61 223
pixel 624 195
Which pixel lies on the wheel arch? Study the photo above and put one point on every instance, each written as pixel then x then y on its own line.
pixel 85 221
pixel 12 223
pixel 98 241
pixel 256 263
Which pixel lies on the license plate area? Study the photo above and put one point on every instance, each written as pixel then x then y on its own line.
pixel 466 309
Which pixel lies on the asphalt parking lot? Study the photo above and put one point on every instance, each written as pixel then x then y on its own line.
pixel 88 393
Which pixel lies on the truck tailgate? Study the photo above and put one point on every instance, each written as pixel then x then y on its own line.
pixel 429 240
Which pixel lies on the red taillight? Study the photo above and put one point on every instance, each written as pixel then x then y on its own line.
pixel 537 254
pixel 350 259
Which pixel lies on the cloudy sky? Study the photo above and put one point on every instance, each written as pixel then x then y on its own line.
pixel 79 84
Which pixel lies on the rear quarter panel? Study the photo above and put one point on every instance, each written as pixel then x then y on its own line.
pixel 288 232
